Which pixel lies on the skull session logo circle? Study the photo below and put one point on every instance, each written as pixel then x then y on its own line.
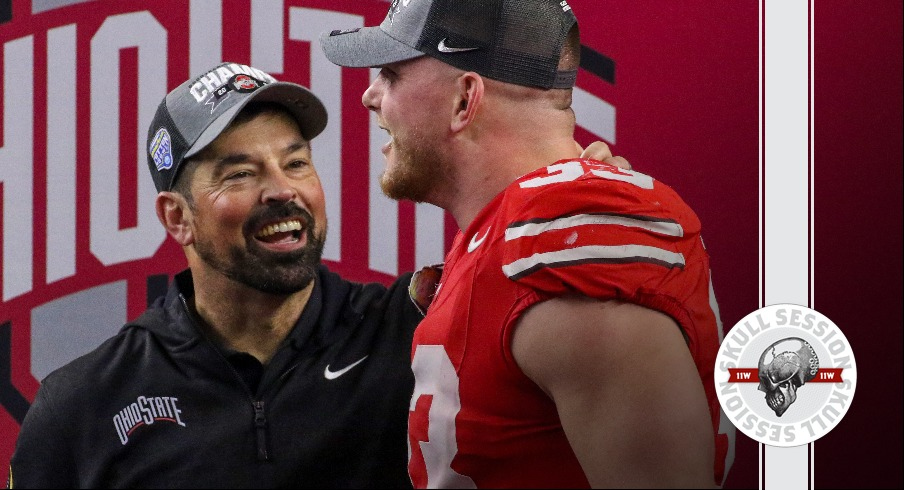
pixel 785 375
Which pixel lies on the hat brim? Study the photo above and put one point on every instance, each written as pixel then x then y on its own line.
pixel 300 102
pixel 368 46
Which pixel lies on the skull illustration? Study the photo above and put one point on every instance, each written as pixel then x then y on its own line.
pixel 784 367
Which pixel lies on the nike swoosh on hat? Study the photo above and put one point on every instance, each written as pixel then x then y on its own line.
pixel 443 48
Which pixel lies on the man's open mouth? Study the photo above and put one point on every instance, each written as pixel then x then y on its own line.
pixel 286 231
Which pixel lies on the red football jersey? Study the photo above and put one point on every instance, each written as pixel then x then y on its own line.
pixel 575 227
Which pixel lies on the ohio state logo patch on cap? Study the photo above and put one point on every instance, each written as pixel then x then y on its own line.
pixel 244 83
pixel 161 150
pixel 240 83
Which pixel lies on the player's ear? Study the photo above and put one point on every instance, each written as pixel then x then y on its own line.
pixel 175 215
pixel 469 92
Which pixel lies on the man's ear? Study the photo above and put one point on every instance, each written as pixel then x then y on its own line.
pixel 175 215
pixel 468 96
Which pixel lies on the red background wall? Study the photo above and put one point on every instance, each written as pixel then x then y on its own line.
pixel 686 93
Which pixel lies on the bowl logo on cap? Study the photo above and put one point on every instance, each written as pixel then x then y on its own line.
pixel 161 150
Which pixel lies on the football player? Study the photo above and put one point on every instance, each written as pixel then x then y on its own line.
pixel 572 337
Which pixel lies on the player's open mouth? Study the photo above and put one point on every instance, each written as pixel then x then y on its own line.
pixel 281 232
pixel 388 145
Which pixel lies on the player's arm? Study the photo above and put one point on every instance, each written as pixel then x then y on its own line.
pixel 42 457
pixel 626 389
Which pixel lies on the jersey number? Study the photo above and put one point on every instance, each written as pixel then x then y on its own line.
pixel 568 171
pixel 434 375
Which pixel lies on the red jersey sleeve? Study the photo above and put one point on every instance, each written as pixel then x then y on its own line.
pixel 585 227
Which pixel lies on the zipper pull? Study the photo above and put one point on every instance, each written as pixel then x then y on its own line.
pixel 260 425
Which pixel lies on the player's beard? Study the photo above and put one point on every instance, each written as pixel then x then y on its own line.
pixel 273 273
pixel 418 169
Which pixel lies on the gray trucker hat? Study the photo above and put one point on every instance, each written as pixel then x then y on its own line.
pixel 515 41
pixel 191 116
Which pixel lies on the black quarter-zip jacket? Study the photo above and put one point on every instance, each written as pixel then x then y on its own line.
pixel 160 406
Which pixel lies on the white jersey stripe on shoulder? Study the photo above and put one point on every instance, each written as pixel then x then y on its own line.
pixel 534 228
pixel 599 254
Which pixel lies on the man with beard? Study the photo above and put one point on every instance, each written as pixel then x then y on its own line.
pixel 572 339
pixel 259 368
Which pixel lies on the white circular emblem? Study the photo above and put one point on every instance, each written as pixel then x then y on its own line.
pixel 785 375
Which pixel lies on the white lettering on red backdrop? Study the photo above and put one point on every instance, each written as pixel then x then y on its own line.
pixel 82 250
